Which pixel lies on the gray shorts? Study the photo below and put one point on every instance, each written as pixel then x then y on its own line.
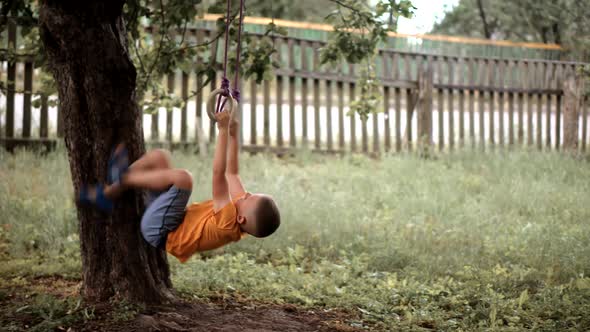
pixel 165 212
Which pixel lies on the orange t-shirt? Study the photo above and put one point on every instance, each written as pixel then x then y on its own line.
pixel 203 229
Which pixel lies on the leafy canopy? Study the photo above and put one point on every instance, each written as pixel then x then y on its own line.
pixel 562 22
pixel 358 30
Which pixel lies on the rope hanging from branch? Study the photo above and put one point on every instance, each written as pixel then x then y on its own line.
pixel 224 93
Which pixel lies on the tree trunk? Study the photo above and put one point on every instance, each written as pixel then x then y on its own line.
pixel 87 53
pixel 544 31
pixel 425 86
pixel 482 14
pixel 573 98
pixel 556 34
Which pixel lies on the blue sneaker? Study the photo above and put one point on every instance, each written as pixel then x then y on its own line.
pixel 100 201
pixel 118 164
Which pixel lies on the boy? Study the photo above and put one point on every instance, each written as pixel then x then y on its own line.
pixel 183 230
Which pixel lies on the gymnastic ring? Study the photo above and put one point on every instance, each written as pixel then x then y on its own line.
pixel 212 104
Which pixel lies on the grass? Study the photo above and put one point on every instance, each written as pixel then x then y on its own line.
pixel 468 241
pixel 49 313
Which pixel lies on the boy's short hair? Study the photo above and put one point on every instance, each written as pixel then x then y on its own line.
pixel 268 218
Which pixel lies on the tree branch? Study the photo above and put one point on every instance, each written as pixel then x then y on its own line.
pixel 138 56
pixel 149 74
pixel 208 42
pixel 482 14
pixel 345 5
pixel 556 33
pixel 183 32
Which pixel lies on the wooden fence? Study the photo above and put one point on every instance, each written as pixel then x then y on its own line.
pixel 448 101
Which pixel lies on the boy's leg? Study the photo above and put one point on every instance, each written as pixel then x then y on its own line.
pixel 152 171
pixel 170 190
pixel 119 163
pixel 154 159
pixel 159 179
pixel 154 180
pixel 156 164
pixel 164 215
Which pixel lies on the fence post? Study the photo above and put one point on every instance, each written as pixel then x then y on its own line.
pixel 170 111
pixel 28 94
pixel 425 87
pixel 573 89
pixel 10 82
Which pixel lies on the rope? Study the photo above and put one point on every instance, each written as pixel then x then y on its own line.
pixel 225 87
pixel 227 24
pixel 234 92
pixel 236 89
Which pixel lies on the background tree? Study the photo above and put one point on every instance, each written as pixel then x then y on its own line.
pixel 107 70
pixel 547 21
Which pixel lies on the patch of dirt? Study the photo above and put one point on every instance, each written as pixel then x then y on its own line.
pixel 220 314
pixel 211 317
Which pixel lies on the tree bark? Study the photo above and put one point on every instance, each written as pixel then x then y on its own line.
pixel 87 53
pixel 556 34
pixel 482 14
pixel 425 86
pixel 573 98
pixel 544 31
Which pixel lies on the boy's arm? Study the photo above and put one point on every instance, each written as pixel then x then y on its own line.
pixel 220 185
pixel 236 188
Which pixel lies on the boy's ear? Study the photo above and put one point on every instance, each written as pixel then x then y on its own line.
pixel 241 220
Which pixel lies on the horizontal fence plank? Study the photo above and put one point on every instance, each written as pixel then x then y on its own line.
pixel 412 84
pixel 286 151
pixel 12 143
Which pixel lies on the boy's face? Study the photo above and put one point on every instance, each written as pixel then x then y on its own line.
pixel 246 207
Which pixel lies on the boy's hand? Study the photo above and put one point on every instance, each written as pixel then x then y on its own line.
pixel 222 120
pixel 233 127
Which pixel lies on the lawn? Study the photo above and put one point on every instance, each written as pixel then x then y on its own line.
pixel 465 241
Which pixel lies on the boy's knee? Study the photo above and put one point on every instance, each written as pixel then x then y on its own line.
pixel 163 158
pixel 183 179
pixel 144 227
